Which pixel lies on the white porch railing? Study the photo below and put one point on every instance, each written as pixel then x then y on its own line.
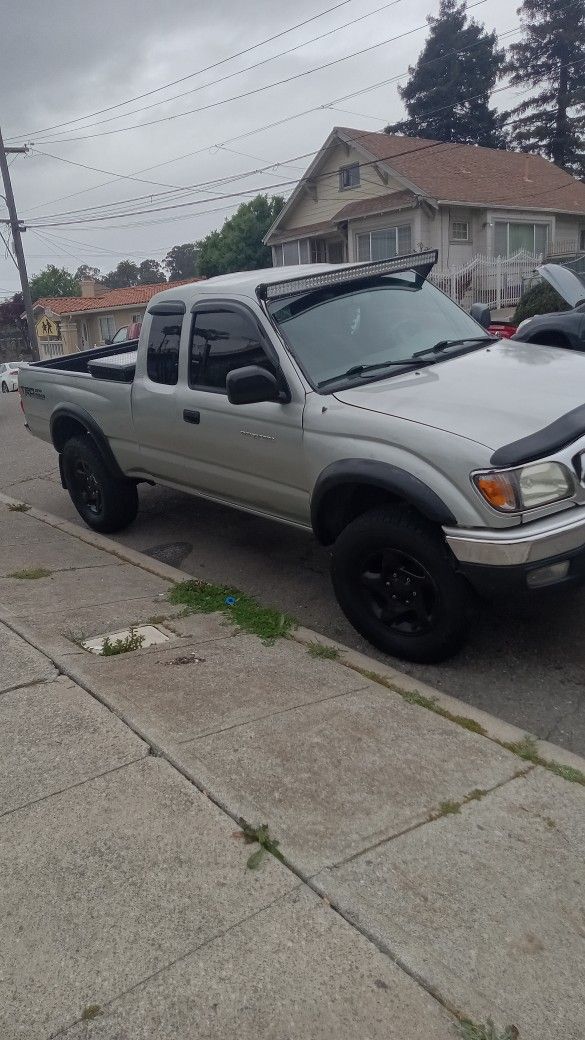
pixel 495 280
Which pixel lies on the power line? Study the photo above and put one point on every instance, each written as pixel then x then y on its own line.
pixel 255 91
pixel 328 105
pixel 251 133
pixel 176 205
pixel 247 68
pixel 182 79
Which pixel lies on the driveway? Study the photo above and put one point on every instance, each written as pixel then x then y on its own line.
pixel 528 669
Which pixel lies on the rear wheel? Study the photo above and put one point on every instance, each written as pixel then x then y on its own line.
pixel 105 503
pixel 4 387
pixel 395 582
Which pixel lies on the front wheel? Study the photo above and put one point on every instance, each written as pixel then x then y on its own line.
pixel 395 582
pixel 105 503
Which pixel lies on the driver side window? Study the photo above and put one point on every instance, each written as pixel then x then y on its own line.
pixel 221 341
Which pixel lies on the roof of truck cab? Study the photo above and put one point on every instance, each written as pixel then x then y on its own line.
pixel 242 283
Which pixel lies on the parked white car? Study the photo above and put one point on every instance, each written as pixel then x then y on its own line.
pixel 9 376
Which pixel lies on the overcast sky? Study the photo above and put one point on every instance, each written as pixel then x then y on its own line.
pixel 63 60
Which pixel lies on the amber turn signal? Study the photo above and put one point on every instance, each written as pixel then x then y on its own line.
pixel 499 490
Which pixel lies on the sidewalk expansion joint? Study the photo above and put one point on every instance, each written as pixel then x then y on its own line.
pixel 192 951
pixel 433 817
pixel 32 682
pixel 269 715
pixel 73 787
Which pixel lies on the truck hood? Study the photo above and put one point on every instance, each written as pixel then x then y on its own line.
pixel 494 395
pixel 567 283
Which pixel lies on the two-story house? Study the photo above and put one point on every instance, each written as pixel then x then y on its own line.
pixel 369 196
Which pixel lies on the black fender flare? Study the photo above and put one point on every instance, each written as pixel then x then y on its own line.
pixel 402 485
pixel 83 418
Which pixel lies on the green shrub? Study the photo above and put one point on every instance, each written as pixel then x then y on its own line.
pixel 540 299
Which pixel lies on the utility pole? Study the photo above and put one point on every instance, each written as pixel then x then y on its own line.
pixel 16 228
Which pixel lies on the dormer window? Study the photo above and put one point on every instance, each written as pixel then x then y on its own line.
pixel 349 176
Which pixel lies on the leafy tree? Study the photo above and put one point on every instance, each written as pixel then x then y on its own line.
pixel 54 281
pixel 448 93
pixel 239 246
pixel 126 274
pixel 87 271
pixel 182 261
pixel 11 310
pixel 150 272
pixel 551 59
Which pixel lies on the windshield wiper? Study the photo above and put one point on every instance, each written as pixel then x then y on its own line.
pixel 358 370
pixel 443 344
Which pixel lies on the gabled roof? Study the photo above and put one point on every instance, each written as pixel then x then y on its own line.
pixel 479 176
pixel 439 171
pixel 111 300
pixel 391 202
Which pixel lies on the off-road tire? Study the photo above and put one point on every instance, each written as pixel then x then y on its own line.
pixel 381 540
pixel 104 502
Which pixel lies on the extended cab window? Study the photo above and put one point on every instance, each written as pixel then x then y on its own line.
pixel 162 357
pixel 221 341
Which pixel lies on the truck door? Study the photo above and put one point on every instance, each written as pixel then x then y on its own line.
pixel 248 455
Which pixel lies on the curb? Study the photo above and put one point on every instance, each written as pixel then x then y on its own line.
pixel 494 729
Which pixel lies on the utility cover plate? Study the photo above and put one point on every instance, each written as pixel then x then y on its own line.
pixel 151 636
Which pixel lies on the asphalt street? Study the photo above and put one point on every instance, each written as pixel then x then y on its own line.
pixel 528 669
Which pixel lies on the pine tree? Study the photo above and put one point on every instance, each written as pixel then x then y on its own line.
pixel 551 59
pixel 448 93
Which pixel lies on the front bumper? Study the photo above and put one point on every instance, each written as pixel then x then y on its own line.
pixel 541 555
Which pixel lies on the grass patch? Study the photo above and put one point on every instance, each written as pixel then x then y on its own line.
pixel 31 573
pixel 75 636
pixel 199 598
pixel 18 507
pixel 328 653
pixel 90 1012
pixel 527 749
pixel 259 836
pixel 112 647
pixel 471 1031
pixel 449 808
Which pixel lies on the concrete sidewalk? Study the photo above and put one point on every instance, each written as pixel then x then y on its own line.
pixel 429 873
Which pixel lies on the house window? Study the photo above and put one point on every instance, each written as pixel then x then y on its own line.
pixel 460 231
pixel 296 252
pixel 349 176
pixel 511 238
pixel 384 244
pixel 107 327
pixel 582 239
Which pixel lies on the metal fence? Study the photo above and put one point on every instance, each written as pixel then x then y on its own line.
pixel 495 280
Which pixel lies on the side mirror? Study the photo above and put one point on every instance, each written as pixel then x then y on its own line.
pixel 250 385
pixel 481 313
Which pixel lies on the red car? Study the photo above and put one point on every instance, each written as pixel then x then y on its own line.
pixel 502 329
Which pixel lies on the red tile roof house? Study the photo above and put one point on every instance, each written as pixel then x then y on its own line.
pixel 95 316
pixel 374 195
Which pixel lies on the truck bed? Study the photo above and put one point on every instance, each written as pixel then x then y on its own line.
pixel 118 370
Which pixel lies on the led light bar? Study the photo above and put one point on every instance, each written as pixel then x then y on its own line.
pixel 422 263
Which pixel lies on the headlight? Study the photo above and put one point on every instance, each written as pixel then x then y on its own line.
pixel 514 490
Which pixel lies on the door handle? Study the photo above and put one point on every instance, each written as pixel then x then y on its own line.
pixel 191 416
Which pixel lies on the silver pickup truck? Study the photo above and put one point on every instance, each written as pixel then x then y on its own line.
pixel 356 401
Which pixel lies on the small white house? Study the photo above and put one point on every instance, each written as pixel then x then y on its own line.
pixel 369 196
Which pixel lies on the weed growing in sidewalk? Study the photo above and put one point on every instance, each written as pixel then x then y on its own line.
pixel 328 653
pixel 91 1011
pixel 447 808
pixel 260 836
pixel 133 641
pixel 31 573
pixel 470 1031
pixel 200 598
pixel 18 507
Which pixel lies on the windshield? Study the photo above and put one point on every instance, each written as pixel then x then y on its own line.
pixel 341 327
